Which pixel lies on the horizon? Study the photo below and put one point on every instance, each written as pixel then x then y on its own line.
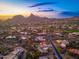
pixel 8 17
pixel 44 8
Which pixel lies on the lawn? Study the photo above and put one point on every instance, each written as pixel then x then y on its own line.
pixel 73 30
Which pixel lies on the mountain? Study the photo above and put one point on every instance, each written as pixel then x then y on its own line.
pixel 34 20
pixel 18 19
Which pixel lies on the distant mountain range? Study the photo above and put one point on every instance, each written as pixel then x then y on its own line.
pixel 36 20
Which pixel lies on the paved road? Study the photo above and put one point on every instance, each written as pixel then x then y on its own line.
pixel 57 54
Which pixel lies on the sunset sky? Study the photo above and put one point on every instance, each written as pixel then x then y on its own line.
pixel 46 8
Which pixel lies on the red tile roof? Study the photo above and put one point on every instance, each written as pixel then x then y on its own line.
pixel 75 51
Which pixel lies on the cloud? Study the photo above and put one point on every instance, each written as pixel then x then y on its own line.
pixel 68 13
pixel 49 10
pixel 48 14
pixel 40 4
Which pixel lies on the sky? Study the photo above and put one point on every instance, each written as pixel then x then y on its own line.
pixel 45 8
